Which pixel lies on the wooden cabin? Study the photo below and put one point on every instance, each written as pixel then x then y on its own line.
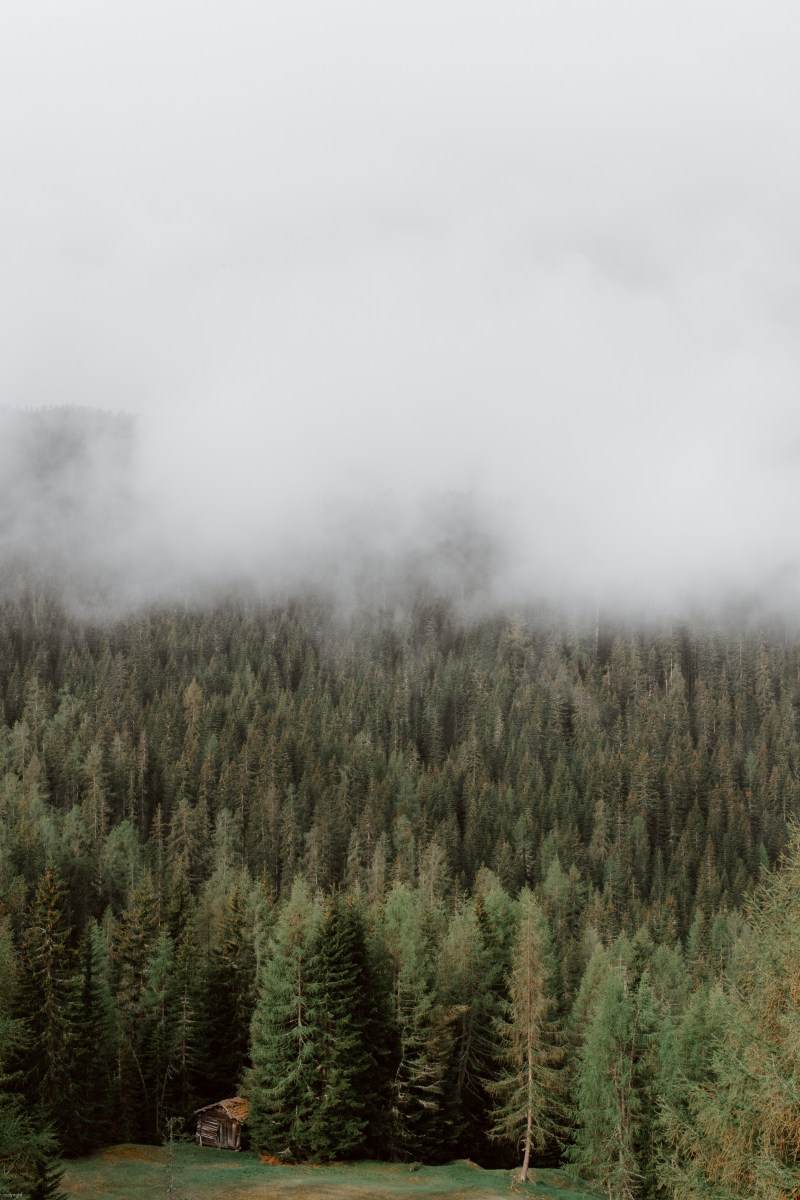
pixel 220 1124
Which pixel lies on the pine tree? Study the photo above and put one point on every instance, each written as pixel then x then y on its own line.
pixel 472 987
pixel 156 1038
pixel 282 1050
pixel 614 1086
pixel 134 942
pixel 49 999
pixel 186 999
pixel 13 1022
pixel 686 1066
pixel 733 1132
pixel 422 1126
pixel 27 1146
pixel 341 1024
pixel 527 1090
pixel 28 1154
pixel 226 1007
pixel 94 1056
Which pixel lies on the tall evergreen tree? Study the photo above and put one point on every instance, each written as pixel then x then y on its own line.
pixel 614 1089
pixel 134 941
pixel 282 1048
pixel 471 984
pixel 736 1132
pixel 157 1039
pixel 226 1006
pixel 27 1146
pixel 422 1122
pixel 95 1049
pixel 49 998
pixel 528 1087
pixel 342 1028
pixel 186 1000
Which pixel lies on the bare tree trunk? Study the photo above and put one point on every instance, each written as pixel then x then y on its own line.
pixel 529 1127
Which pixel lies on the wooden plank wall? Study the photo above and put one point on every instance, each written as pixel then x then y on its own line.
pixel 211 1131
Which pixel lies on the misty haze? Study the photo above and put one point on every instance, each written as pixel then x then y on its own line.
pixel 344 263
pixel 399 593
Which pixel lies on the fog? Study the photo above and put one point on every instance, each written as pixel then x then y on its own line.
pixel 506 290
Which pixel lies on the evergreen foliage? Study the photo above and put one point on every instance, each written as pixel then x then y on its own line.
pixel 421 1120
pixel 529 1084
pixel 614 1090
pixel 285 848
pixel 49 1001
pixel 226 1006
pixel 27 1147
pixel 95 1047
pixel 734 1130
pixel 472 987
pixel 342 1028
pixel 280 1084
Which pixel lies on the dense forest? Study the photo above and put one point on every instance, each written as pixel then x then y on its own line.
pixel 418 887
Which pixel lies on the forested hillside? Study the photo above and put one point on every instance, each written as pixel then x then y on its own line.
pixel 420 888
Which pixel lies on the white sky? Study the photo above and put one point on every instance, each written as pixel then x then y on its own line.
pixel 344 256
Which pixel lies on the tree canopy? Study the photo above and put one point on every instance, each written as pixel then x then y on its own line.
pixel 405 880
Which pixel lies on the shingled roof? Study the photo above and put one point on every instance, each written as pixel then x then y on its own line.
pixel 237 1109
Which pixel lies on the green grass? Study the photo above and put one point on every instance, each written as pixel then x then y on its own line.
pixel 131 1172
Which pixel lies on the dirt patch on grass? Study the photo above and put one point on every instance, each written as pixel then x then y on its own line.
pixel 131 1153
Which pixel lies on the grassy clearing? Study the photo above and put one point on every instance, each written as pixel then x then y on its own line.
pixel 131 1172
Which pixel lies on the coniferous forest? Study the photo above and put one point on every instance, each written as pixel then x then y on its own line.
pixel 419 888
pixel 399 599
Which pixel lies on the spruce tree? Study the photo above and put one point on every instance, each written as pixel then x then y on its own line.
pixel 614 1111
pixel 155 1037
pixel 29 1164
pixel 49 1002
pixel 342 1023
pixel 94 1056
pixel 423 1125
pixel 420 1127
pixel 733 1132
pixel 28 1147
pixel 226 1006
pixel 472 986
pixel 527 1089
pixel 283 1052
pixel 186 998
pixel 134 941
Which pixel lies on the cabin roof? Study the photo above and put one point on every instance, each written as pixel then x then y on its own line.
pixel 237 1109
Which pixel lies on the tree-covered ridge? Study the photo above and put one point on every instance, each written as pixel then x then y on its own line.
pixel 336 861
pixel 662 768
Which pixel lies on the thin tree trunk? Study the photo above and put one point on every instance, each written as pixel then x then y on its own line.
pixel 529 1128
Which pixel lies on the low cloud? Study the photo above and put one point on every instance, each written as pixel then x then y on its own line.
pixel 356 269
